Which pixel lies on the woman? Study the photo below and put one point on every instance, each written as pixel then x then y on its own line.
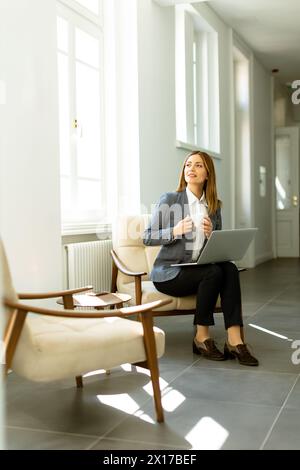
pixel 182 223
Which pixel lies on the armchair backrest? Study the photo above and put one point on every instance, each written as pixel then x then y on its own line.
pixel 128 244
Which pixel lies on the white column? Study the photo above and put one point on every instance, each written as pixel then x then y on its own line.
pixel 29 150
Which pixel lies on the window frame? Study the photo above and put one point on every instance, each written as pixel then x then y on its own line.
pixel 84 12
pixel 192 28
pixel 78 16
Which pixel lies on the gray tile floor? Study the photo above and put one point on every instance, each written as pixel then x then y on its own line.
pixel 208 405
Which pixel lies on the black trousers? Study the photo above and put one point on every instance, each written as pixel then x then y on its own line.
pixel 207 282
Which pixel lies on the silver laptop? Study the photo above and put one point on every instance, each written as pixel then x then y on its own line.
pixel 224 245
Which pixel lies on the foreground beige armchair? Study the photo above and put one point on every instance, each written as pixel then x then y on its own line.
pixel 50 344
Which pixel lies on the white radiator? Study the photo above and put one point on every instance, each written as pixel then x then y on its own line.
pixel 89 263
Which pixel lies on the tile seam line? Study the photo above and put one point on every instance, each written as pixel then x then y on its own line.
pixel 278 415
pixel 146 442
pixel 268 302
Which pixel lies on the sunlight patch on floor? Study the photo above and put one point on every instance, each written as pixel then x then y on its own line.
pixel 172 399
pixel 260 328
pixel 207 434
pixel 148 388
pixel 125 403
pixel 140 414
pixel 120 401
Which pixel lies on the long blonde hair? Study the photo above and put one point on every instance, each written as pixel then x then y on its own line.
pixel 210 187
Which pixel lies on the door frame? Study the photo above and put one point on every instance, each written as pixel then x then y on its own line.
pixel 274 199
pixel 273 173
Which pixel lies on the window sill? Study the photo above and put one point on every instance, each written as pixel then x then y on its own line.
pixel 85 229
pixel 192 148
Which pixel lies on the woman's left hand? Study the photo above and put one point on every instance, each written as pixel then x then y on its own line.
pixel 207 226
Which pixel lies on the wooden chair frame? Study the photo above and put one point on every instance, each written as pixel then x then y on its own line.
pixel 20 311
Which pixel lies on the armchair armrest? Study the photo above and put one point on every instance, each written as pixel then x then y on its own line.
pixel 121 267
pixel 122 312
pixel 49 295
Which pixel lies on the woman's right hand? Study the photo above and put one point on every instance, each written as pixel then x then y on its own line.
pixel 184 226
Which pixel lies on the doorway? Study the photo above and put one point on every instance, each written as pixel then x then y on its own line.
pixel 287 191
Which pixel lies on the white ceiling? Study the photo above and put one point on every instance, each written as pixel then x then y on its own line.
pixel 270 27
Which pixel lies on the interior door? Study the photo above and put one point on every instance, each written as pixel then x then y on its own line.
pixel 287 191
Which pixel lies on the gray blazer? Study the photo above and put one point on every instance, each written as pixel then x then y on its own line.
pixel 172 208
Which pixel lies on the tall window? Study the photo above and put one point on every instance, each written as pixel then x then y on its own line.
pixel 197 80
pixel 80 78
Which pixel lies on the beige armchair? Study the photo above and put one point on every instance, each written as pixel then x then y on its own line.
pixel 132 263
pixel 53 344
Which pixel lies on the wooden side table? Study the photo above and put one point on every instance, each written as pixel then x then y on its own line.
pixel 99 301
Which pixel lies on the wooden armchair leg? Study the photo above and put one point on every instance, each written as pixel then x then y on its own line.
pixel 242 334
pixel 150 347
pixel 11 336
pixel 79 382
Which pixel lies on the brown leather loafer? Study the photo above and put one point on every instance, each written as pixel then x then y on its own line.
pixel 241 353
pixel 208 349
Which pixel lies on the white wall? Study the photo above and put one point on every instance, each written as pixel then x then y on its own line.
pixel 29 177
pixel 285 113
pixel 262 155
pixel 280 104
pixel 160 161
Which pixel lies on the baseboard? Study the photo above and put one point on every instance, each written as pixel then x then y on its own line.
pixel 263 257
